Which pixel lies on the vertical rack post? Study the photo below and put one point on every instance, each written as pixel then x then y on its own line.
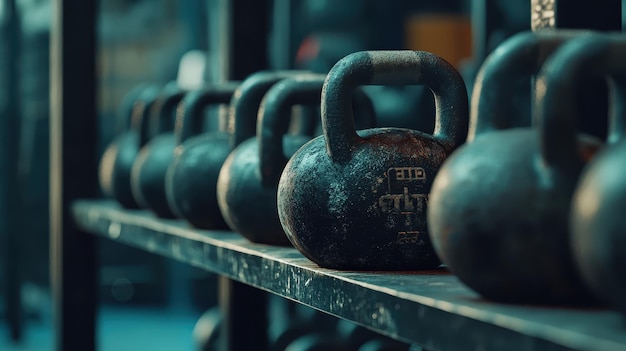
pixel 73 170
pixel 238 42
pixel 10 125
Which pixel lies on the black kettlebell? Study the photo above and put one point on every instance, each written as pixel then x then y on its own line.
pixel 157 150
pixel 316 342
pixel 188 183
pixel 598 229
pixel 358 201
pixel 248 180
pixel 192 175
pixel 358 338
pixel 119 156
pixel 498 207
pixel 207 331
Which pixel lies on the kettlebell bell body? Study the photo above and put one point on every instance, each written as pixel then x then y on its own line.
pixel 192 176
pixel 349 201
pixel 249 178
pixel 597 227
pixel 189 187
pixel 247 201
pixel 117 160
pixel 499 205
pixel 149 169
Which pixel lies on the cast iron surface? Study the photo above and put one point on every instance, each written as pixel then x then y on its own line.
pixel 597 217
pixel 189 184
pixel 359 201
pixel 430 308
pixel 499 206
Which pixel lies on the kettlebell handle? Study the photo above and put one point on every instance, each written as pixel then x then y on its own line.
pixel 590 56
pixel 161 113
pixel 245 103
pixel 142 109
pixel 387 68
pixel 128 106
pixel 275 113
pixel 190 112
pixel 518 58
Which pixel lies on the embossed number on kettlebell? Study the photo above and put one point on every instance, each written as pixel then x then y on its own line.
pixel 403 188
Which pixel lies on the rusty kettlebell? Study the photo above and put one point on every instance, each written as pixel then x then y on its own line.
pixel 117 160
pixel 157 150
pixel 597 221
pixel 248 180
pixel 358 201
pixel 498 207
pixel 189 189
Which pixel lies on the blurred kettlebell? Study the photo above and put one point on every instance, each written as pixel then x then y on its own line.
pixel 206 332
pixel 188 186
pixel 358 201
pixel 597 221
pixel 157 150
pixel 316 342
pixel 117 160
pixel 358 338
pixel 192 175
pixel 248 180
pixel 498 207
pixel 307 322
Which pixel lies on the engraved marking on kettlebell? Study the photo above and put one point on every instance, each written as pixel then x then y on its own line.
pixel 407 237
pixel 405 203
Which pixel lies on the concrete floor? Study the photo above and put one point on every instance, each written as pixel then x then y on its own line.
pixel 120 329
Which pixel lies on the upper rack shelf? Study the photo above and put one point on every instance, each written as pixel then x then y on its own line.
pixel 429 308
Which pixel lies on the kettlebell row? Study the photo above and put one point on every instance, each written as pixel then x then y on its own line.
pixel 521 211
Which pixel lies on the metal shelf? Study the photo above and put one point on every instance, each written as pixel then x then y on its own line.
pixel 429 308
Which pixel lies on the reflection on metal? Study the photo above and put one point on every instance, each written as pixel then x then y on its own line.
pixel 423 308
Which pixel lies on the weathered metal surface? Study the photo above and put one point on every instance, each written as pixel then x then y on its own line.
pixel 499 206
pixel 429 308
pixel 358 201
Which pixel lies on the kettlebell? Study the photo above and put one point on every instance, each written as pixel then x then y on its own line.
pixel 192 175
pixel 498 207
pixel 358 201
pixel 188 186
pixel 207 330
pixel 157 150
pixel 248 180
pixel 358 338
pixel 303 321
pixel 598 230
pixel 316 342
pixel 117 160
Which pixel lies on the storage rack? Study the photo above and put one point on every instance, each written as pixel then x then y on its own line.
pixel 431 309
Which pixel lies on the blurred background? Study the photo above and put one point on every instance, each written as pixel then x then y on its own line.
pixel 164 40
